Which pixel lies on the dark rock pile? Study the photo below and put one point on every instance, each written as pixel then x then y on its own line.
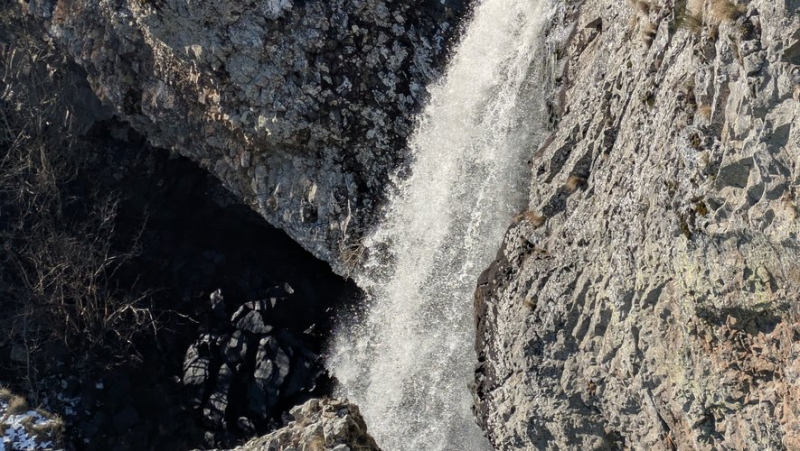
pixel 249 367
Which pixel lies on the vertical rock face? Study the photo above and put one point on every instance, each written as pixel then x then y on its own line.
pixel 301 107
pixel 649 299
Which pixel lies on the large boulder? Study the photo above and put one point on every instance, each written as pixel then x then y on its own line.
pixel 320 425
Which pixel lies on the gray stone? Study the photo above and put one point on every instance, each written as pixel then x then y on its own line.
pixel 253 322
pixel 236 349
pixel 635 316
pixel 197 363
pixel 214 410
pixel 318 424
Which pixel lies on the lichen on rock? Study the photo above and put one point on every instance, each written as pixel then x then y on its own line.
pixel 655 306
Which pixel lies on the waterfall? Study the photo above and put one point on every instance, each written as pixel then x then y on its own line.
pixel 408 359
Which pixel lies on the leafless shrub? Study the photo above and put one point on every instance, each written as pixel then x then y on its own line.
pixel 352 252
pixel 59 259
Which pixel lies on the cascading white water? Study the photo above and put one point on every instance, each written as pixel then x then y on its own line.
pixel 408 360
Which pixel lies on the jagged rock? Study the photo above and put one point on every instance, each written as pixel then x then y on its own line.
pixel 236 349
pixel 655 305
pixel 249 370
pixel 253 322
pixel 319 424
pixel 197 363
pixel 214 411
pixel 301 108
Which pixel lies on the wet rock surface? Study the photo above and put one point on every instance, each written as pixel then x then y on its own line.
pixel 302 108
pixel 648 299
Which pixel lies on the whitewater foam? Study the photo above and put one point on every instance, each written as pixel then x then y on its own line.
pixel 408 360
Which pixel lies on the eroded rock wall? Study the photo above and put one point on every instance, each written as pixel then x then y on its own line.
pixel 301 107
pixel 649 298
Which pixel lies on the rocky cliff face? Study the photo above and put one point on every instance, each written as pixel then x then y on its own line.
pixel 649 298
pixel 301 107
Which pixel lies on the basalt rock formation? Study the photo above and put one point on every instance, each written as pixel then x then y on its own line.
pixel 649 297
pixel 301 107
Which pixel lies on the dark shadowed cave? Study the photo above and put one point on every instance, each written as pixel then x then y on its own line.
pixel 194 238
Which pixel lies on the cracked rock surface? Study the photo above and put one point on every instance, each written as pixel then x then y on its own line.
pixel 301 107
pixel 649 299
pixel 319 424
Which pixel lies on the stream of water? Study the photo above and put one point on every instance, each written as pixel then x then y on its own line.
pixel 408 360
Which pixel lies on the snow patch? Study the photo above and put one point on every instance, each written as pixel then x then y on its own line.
pixel 28 431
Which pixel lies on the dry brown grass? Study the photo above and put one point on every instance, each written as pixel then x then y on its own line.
pixel 692 22
pixel 17 405
pixel 27 422
pixel 574 183
pixel 649 32
pixel 695 6
pixel 704 111
pixel 529 302
pixel 534 219
pixel 317 443
pixel 52 430
pixel 723 10
pixel 713 32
